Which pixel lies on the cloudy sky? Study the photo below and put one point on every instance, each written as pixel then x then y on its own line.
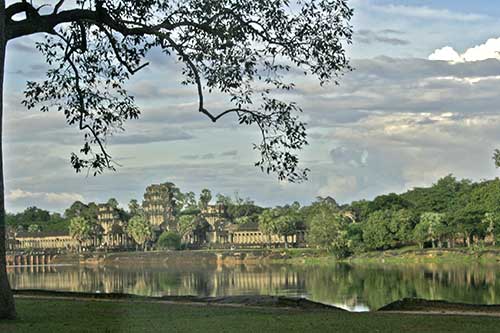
pixel 423 102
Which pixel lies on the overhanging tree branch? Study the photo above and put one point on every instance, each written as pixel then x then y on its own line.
pixel 225 46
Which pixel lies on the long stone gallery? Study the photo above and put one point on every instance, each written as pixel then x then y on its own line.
pixel 212 228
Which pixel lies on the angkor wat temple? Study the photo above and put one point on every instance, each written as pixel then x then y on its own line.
pixel 211 229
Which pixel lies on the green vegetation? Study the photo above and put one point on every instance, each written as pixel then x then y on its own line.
pixel 205 198
pixel 95 316
pixel 169 240
pixel 139 230
pixel 282 221
pixel 449 214
pixel 33 216
pixel 80 229
pixel 413 254
pixel 328 230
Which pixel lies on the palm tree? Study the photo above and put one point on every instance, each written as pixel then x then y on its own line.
pixel 80 229
pixel 139 230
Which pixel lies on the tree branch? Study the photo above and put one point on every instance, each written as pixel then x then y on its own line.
pixel 58 6
pixel 120 59
pixel 79 91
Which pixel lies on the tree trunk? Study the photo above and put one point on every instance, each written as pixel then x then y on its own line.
pixel 467 240
pixel 7 308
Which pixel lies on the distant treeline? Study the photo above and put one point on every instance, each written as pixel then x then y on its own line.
pixel 449 213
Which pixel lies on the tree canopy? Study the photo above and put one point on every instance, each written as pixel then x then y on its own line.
pixel 80 229
pixel 140 230
pixel 242 49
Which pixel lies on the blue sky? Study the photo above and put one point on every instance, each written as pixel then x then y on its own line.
pixel 399 120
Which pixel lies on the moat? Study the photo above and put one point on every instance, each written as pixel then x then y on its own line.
pixel 353 287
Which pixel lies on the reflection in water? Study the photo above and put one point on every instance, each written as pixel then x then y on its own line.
pixel 354 287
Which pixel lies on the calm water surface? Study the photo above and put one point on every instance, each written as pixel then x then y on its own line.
pixel 353 287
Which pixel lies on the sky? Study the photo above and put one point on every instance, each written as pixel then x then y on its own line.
pixel 423 102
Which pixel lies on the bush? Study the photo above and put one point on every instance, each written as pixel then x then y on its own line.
pixel 388 229
pixel 169 240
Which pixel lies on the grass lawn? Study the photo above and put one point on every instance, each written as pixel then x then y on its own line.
pixel 413 254
pixel 40 315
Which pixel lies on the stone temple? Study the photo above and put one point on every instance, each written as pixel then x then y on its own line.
pixel 212 228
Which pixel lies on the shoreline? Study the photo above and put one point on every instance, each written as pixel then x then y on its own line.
pixel 284 256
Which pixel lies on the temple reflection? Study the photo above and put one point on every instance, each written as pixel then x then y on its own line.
pixel 353 287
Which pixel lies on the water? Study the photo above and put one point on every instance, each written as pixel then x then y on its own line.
pixel 353 287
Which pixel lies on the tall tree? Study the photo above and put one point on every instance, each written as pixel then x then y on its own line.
pixel 186 224
pixel 242 49
pixel 80 229
pixel 205 198
pixel 328 229
pixel 386 229
pixel 139 230
pixel 113 203
pixel 190 201
pixel 492 223
pixel 134 208
pixel 225 200
pixel 281 221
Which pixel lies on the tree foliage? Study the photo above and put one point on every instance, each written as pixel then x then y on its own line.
pixel 205 198
pixel 134 208
pixel 186 224
pixel 432 228
pixel 140 230
pixel 86 211
pixel 492 225
pixel 80 229
pixel 281 221
pixel 44 220
pixel 169 240
pixel 328 229
pixel 386 229
pixel 242 49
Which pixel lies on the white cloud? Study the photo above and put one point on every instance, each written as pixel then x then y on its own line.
pixel 63 197
pixel 446 53
pixel 19 194
pixel 488 50
pixel 50 197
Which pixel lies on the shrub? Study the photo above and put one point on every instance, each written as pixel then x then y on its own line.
pixel 169 240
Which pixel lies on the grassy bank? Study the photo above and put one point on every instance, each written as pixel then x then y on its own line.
pixel 41 315
pixel 416 255
pixel 406 255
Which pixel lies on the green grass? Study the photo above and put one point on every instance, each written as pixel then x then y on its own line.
pixel 98 316
pixel 416 255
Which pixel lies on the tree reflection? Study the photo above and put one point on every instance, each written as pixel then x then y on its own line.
pixel 350 286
